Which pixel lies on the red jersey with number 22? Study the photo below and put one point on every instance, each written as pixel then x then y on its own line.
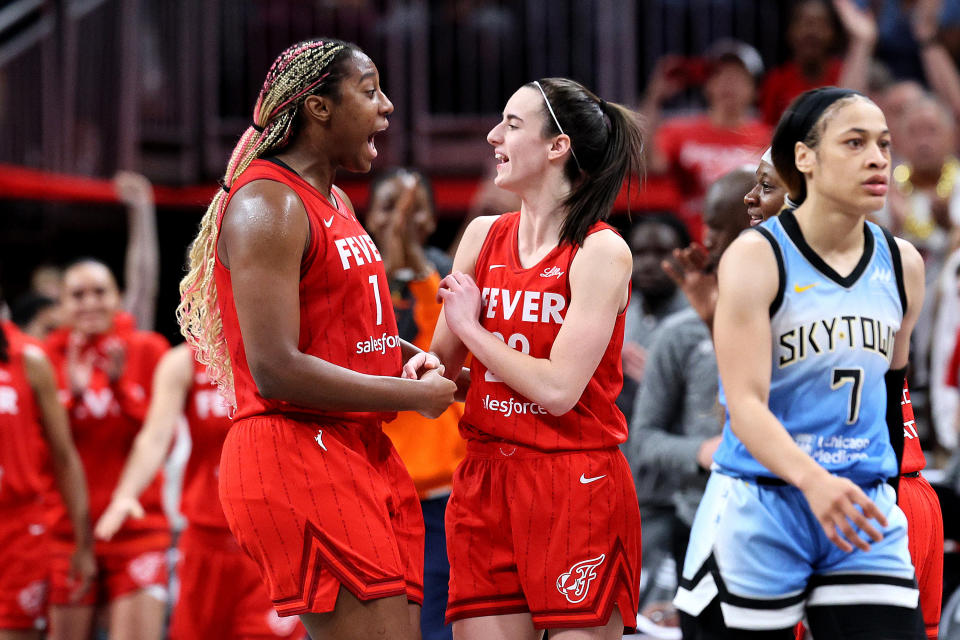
pixel 346 314
pixel 525 307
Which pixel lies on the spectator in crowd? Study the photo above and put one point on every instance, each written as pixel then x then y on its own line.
pixel 924 208
pixel 676 421
pixel 652 238
pixel 812 38
pixel 401 220
pixel 698 149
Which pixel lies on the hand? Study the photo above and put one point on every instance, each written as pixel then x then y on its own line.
pixel 113 358
pixel 860 24
pixel 419 364
pixel 634 360
pixel 689 272
pixel 438 393
pixel 834 501
pixel 115 515
pixel 83 569
pixel 79 364
pixel 133 189
pixel 705 453
pixel 461 302
pixel 925 20
pixel 667 79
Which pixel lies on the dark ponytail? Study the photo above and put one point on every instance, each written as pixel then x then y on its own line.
pixel 607 145
pixel 804 121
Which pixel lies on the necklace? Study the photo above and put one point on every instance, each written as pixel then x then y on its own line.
pixel 914 225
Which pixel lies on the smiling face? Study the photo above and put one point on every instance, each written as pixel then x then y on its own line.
pixel 518 143
pixel 358 115
pixel 765 199
pixel 850 166
pixel 90 298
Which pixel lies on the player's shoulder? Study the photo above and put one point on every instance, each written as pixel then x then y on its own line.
pixel 606 242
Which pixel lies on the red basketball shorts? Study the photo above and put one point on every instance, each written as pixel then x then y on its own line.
pixel 553 534
pixel 23 567
pixel 321 505
pixel 118 574
pixel 221 593
pixel 919 502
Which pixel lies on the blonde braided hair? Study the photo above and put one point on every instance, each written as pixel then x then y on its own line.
pixel 308 68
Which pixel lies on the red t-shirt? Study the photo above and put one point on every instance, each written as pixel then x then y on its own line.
pixel 526 307
pixel 346 312
pixel 913 458
pixel 21 433
pixel 104 421
pixel 786 82
pixel 207 416
pixel 699 153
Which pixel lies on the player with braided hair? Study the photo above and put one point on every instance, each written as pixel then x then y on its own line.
pixel 287 303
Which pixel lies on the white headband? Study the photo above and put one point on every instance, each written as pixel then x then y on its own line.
pixel 557 122
pixel 768 156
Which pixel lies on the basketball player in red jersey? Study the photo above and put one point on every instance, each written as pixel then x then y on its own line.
pixel 288 305
pixel 221 595
pixel 543 526
pixel 31 419
pixel 105 368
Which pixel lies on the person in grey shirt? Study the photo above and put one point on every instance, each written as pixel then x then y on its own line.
pixel 676 422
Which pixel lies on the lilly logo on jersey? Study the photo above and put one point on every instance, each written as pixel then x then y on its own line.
pixel 575 583
pixel 551 272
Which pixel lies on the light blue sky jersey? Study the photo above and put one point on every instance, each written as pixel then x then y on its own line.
pixel 832 340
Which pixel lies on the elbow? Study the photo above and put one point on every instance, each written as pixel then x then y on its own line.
pixel 269 378
pixel 560 401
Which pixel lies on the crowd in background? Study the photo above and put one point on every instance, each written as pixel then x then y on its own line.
pixel 901 54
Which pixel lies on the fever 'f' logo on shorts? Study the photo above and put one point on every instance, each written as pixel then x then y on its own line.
pixel 575 583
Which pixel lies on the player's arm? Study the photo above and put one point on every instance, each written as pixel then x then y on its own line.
pixel 263 234
pixel 67 467
pixel 913 282
pixel 748 282
pixel 171 383
pixel 446 345
pixel 599 278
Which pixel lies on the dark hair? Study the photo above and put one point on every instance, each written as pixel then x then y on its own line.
pixel 25 308
pixel 389 174
pixel 4 345
pixel 606 141
pixel 665 218
pixel 804 121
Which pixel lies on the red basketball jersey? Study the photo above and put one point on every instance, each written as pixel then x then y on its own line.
pixel 913 458
pixel 525 308
pixel 21 435
pixel 104 420
pixel 346 314
pixel 208 419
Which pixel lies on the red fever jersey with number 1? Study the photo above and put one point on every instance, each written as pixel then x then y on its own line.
pixel 525 308
pixel 346 314
pixel 208 418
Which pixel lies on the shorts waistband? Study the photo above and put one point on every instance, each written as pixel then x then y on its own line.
pixel 499 450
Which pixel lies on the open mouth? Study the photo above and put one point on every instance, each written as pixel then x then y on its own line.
pixel 755 217
pixel 371 145
pixel 876 185
pixel 502 159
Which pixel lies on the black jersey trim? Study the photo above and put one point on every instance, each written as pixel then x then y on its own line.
pixel 283 165
pixel 897 267
pixel 790 225
pixel 781 270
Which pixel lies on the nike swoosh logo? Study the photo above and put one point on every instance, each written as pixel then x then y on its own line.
pixel 329 222
pixel 585 480
pixel 800 289
pixel 497 266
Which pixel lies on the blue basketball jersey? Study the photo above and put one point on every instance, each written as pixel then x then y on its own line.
pixel 832 342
